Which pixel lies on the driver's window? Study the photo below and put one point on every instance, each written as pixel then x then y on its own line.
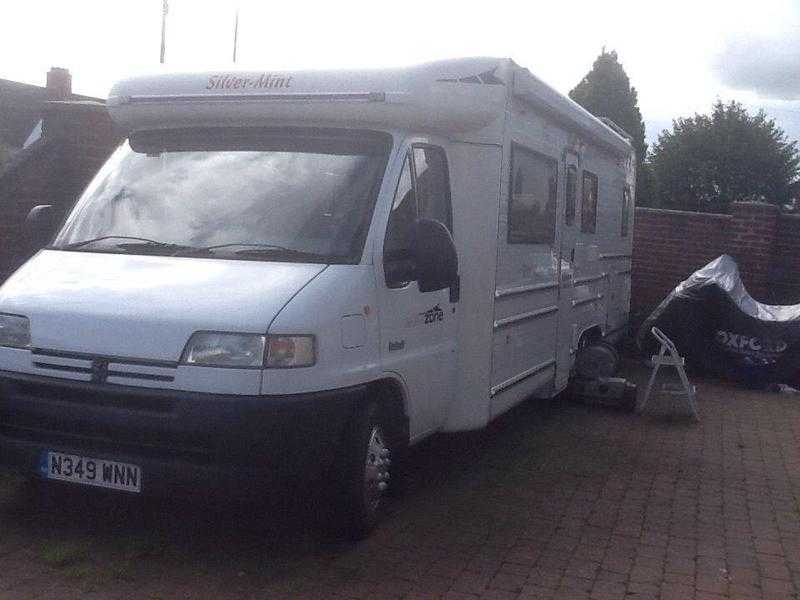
pixel 398 255
pixel 433 185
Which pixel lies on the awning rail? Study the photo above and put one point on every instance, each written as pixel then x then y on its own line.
pixel 248 98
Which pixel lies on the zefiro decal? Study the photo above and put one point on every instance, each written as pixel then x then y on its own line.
pixel 266 81
pixel 746 344
pixel 432 315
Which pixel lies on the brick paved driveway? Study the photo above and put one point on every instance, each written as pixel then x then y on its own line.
pixel 574 503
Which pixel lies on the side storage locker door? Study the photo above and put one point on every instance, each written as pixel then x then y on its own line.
pixel 526 292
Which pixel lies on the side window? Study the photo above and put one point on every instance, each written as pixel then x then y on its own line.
pixel 589 203
pixel 532 199
pixel 572 195
pixel 626 210
pixel 398 256
pixel 433 185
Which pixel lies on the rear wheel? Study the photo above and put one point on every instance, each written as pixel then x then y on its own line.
pixel 366 459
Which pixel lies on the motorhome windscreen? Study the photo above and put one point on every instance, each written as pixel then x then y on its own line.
pixel 252 194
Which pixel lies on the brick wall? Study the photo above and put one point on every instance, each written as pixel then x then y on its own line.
pixel 752 243
pixel 76 140
pixel 786 261
pixel 670 245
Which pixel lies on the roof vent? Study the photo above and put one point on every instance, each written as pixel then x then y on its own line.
pixel 487 78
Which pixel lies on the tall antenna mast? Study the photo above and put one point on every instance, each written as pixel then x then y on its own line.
pixel 164 11
pixel 235 35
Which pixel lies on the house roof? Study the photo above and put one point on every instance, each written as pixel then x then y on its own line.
pixel 21 106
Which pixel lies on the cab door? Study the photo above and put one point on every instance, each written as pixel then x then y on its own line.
pixel 566 274
pixel 418 330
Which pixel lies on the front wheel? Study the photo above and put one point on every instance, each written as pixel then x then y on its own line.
pixel 365 472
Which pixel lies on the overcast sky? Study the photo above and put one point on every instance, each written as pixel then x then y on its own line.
pixel 681 55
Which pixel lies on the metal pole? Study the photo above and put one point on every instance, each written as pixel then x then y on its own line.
pixel 235 35
pixel 164 10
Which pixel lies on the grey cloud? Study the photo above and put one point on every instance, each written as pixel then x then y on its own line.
pixel 770 67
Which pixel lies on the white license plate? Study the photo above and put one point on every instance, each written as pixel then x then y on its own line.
pixel 91 471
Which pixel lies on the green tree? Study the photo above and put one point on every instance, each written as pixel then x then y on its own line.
pixel 606 91
pixel 708 161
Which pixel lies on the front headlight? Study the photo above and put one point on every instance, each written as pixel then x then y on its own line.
pixel 211 349
pixel 15 331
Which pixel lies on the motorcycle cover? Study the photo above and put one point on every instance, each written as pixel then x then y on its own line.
pixel 719 328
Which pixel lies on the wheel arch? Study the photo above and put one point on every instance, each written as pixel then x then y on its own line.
pixel 390 394
pixel 589 334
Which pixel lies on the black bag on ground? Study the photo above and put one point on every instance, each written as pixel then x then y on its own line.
pixel 719 328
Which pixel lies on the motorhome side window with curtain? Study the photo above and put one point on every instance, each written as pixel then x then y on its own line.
pixel 423 191
pixel 572 195
pixel 589 203
pixel 533 197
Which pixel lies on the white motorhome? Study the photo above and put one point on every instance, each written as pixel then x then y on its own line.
pixel 279 270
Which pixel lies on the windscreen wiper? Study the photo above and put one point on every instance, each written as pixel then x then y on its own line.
pixel 201 249
pixel 142 242
pixel 298 255
pixel 256 251
pixel 160 247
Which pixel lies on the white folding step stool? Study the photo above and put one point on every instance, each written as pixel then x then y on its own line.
pixel 669 357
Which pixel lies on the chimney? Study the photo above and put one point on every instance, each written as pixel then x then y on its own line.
pixel 59 84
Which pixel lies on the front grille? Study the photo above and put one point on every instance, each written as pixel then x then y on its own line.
pixel 102 369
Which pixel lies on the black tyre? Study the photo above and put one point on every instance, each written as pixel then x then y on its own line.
pixel 364 472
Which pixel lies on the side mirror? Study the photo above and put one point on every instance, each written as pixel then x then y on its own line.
pixel 39 225
pixel 435 257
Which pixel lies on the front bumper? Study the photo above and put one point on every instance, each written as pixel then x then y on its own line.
pixel 183 440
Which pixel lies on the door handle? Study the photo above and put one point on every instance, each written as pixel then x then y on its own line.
pixel 455 290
